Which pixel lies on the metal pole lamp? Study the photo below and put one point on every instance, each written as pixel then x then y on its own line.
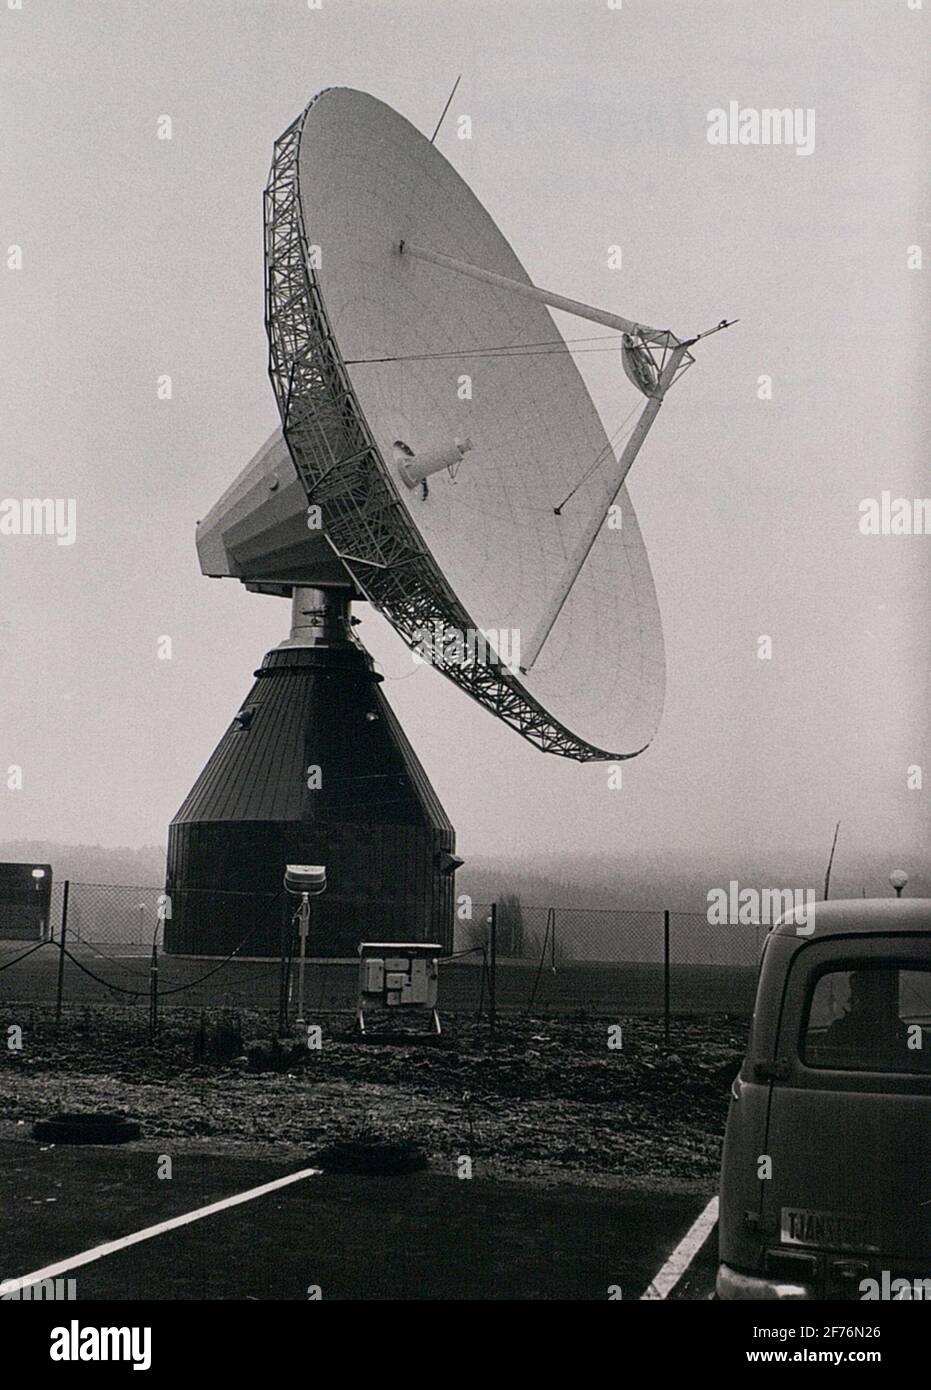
pixel 898 878
pixel 305 881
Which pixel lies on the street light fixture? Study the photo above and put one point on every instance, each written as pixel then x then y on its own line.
pixel 898 878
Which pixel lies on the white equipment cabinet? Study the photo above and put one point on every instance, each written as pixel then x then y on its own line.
pixel 398 975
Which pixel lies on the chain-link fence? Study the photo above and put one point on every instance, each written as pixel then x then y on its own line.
pixel 105 944
pixel 108 914
pixel 612 961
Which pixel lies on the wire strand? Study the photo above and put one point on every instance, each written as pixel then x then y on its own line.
pixel 599 458
pixel 501 350
pixel 32 949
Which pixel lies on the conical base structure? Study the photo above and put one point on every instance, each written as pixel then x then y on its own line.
pixel 314 769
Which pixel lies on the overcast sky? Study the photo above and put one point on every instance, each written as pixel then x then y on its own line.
pixel 143 257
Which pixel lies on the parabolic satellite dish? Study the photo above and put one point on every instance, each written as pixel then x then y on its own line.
pixel 436 417
pixel 439 456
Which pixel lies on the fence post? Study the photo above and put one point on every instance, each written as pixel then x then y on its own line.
pixel 493 967
pixel 63 927
pixel 153 987
pixel 284 980
pixel 666 975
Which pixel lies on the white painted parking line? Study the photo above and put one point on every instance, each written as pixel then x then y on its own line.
pixel 683 1255
pixel 99 1252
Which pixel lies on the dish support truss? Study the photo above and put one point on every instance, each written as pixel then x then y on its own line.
pixel 339 464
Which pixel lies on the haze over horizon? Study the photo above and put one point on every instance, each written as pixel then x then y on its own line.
pixel 144 257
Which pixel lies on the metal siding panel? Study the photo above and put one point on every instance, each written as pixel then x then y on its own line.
pixel 376 825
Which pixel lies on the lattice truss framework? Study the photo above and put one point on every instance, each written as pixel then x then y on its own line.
pixel 339 464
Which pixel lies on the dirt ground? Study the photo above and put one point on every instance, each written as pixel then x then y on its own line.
pixel 549 1101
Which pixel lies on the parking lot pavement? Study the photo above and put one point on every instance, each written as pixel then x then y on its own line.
pixel 419 1236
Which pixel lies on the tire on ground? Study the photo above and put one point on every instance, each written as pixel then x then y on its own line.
pixel 371 1156
pixel 90 1127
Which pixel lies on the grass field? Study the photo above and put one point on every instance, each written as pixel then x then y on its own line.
pixel 607 990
